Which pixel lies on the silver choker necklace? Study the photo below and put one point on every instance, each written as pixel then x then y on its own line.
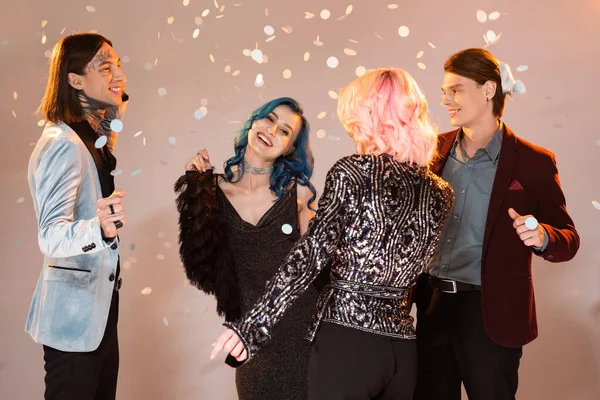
pixel 257 171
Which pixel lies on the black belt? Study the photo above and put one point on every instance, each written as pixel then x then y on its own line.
pixel 450 286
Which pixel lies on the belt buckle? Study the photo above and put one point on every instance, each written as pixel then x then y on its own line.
pixel 454 289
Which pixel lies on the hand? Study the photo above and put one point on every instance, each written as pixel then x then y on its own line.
pixel 199 163
pixel 106 216
pixel 230 342
pixel 530 237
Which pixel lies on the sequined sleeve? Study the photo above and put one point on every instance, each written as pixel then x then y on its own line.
pixel 302 265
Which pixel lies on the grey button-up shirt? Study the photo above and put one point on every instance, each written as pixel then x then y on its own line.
pixel 459 254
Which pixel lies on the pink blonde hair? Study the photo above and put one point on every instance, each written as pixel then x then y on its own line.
pixel 384 111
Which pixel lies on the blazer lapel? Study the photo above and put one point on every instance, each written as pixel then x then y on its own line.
pixel 506 164
pixel 445 142
pixel 89 137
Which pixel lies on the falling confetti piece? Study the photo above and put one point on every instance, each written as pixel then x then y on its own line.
pixel 287 29
pixel 266 12
pixel 350 52
pixel 14 113
pixel 257 55
pixel 308 15
pixel 491 37
pixel 198 20
pixel 522 68
pixel 41 123
pixel 431 45
pixel 247 52
pixel 420 54
pixel 403 31
pixel 332 62
pixel 287 74
pixel 133 260
pixel 360 70
pixel 160 257
pixel 270 39
pixel 481 16
pixel 44 23
pixel 172 141
pixel 306 56
pixel 269 30
pixel 20 200
pixel 91 8
pixel 116 172
pixel 318 42
pixel 148 66
pixel 100 142
pixel 286 228
pixel 168 245
pixel 15 95
pixel 137 171
pixel 146 290
pixel 204 102
pixel 205 12
pixel 198 114
pixel 259 80
pixel 334 138
pixel 494 16
pixel 392 6
pixel 379 36
pixel 143 143
pixel 227 69
pixel 47 53
pixel 126 265
pixel 333 94
pixel 125 59
pixel 137 134
pixel 322 115
pixel 165 321
pixel 421 65
pixel 162 91
pixel 236 72
pixel 186 3
pixel 116 125
pixel 196 33
pixel 212 59
pixel 596 205
pixel 170 20
pixel 321 133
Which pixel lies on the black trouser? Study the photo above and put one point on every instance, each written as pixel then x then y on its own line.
pixel 85 376
pixel 348 364
pixel 453 347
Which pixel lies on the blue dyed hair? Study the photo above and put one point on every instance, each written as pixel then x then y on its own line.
pixel 296 166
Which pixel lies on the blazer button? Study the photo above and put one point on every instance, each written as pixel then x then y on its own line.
pixel 550 256
pixel 93 245
pixel 111 277
pixel 113 246
pixel 84 249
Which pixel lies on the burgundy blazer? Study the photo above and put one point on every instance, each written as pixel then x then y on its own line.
pixel 526 180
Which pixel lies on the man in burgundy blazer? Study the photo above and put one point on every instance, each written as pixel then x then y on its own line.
pixel 475 303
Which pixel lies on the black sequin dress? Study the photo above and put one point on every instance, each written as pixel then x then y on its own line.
pixel 251 255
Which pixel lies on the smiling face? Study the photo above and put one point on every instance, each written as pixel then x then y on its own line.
pixel 466 101
pixel 103 79
pixel 274 135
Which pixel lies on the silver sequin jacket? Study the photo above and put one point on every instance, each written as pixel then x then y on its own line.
pixel 378 223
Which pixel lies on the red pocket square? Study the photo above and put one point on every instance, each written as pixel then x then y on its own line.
pixel 515 185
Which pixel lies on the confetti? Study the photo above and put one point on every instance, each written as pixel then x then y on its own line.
pixel 148 66
pixel 333 94
pixel 44 23
pixel 44 39
pixel 596 205
pixel 421 65
pixel 360 70
pixel 100 142
pixel 491 37
pixel 306 56
pixel 259 80
pixel 420 54
pixel 186 3
pixel 146 290
pixel 271 38
pixel 494 16
pixel 47 53
pixel 287 29
pixel 116 125
pixel 431 45
pixel 172 141
pixel 165 321
pixel 125 59
pixel 481 16
pixel 350 52
pixel 287 74
pixel 332 62
pixel 334 138
pixel 198 20
pixel 269 30
pixel 41 123
pixel 161 234
pixel 196 33
pixel 137 134
pixel 170 20
pixel 133 260
pixel 20 200
pixel 116 172
pixel 522 68
pixel 160 257
pixel 137 171
pixel 378 36
pixel 403 31
pixel 227 69
pixel 204 102
pixel 257 55
pixel 168 245
pixel 15 95
pixel 236 72
pixel 318 42
pixel 91 8
pixel 212 59
pixel 162 91
pixel 321 133
pixel 199 114
pixel 308 15
pixel 14 113
pixel 205 12
pixel 531 223
pixel 286 228
pixel 349 9
pixel 126 265
pixel 392 6
pixel 322 115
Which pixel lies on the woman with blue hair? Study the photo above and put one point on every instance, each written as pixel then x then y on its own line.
pixel 236 228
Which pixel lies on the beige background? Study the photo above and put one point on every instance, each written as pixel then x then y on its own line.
pixel 556 39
